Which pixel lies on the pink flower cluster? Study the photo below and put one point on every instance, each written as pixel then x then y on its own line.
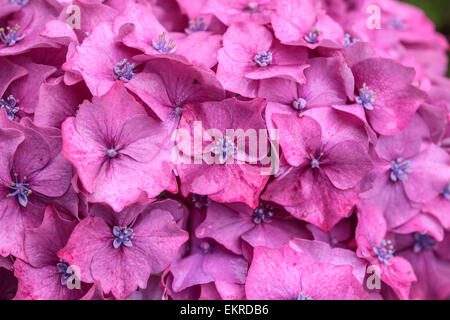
pixel 349 97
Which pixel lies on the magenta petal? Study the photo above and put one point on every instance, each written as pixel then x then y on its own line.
pixel 57 102
pixel 399 276
pixel 89 237
pixel 225 225
pixel 429 174
pixel 158 235
pixel 44 284
pixel 300 138
pixel 9 72
pixel 347 164
pixel 293 19
pixel 275 274
pixel 42 244
pixel 113 268
pixel 396 99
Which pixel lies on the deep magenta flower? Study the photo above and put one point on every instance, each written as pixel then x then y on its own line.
pixel 431 262
pixel 116 164
pixel 33 174
pixel 410 172
pixel 250 54
pixel 100 60
pixel 327 154
pixel 42 275
pixel 19 32
pixel 328 82
pixel 168 83
pixel 237 173
pixel 121 250
pixel 375 245
pixel 152 38
pixel 388 104
pixel 305 23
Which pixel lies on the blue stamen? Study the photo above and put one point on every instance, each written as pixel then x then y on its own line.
pixel 423 241
pixel 397 24
pixel 21 190
pixel 303 296
pixel 366 97
pixel 348 41
pixel 196 25
pixel 124 70
pixel 263 213
pixel 122 236
pixel 446 191
pixel 399 170
pixel 21 3
pixel 164 46
pixel 225 148
pixel 177 111
pixel 66 275
pixel 263 58
pixel 10 105
pixel 299 105
pixel 315 162
pixel 313 36
pixel 10 37
pixel 385 251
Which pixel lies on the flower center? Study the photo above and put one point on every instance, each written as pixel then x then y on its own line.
pixel 366 97
pixel 261 214
pixel 111 153
pixel 196 25
pixel 122 235
pixel 9 36
pixel 124 70
pixel 303 296
pixel 224 148
pixel 385 251
pixel 21 190
pixel 200 201
pixel 21 3
pixel 178 111
pixel 10 105
pixel 263 58
pixel 313 36
pixel 164 46
pixel 315 162
pixel 423 241
pixel 205 247
pixel 446 191
pixel 399 170
pixel 396 23
pixel 299 105
pixel 66 272
pixel 348 41
pixel 252 7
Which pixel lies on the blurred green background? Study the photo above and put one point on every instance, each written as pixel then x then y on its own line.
pixel 439 12
pixel 436 10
